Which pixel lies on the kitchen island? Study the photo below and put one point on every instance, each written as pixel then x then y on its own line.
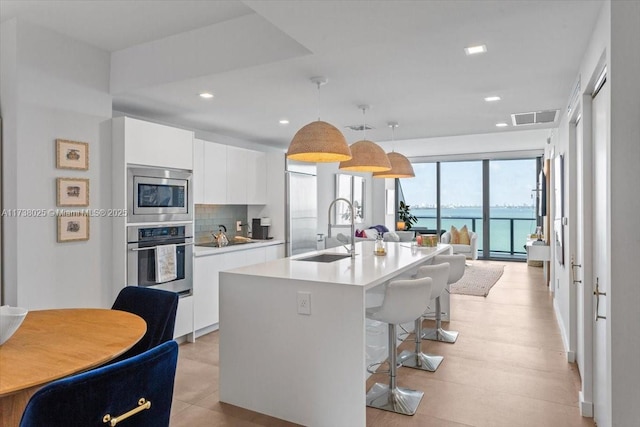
pixel 305 368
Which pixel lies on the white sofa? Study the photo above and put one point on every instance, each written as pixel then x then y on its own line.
pixel 403 236
pixel 470 251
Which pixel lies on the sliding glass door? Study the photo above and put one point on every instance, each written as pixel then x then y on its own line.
pixel 461 196
pixel 421 195
pixel 494 198
pixel 512 211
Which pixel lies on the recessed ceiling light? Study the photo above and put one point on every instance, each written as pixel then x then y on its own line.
pixel 206 95
pixel 472 50
pixel 492 98
pixel 284 122
pixel 501 125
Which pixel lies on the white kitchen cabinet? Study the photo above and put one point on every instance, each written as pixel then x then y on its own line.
pixel 151 144
pixel 205 290
pixel 184 318
pixel 198 179
pixel 226 175
pixel 215 173
pixel 206 280
pixel 237 175
pixel 274 252
pixel 256 178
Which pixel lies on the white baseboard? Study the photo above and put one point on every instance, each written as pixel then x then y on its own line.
pixel 571 356
pixel 563 333
pixel 586 408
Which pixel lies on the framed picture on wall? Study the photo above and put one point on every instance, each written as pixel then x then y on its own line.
pixel 73 228
pixel 72 192
pixel 72 155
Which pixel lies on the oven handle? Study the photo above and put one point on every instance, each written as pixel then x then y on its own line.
pixel 148 248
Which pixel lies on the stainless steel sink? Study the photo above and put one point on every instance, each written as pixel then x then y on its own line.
pixel 324 257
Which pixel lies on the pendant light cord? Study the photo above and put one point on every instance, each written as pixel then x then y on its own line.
pixel 364 123
pixel 318 83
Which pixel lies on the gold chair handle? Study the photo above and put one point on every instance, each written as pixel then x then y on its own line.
pixel 142 405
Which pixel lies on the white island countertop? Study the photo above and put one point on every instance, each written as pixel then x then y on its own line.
pixel 305 362
pixel 365 269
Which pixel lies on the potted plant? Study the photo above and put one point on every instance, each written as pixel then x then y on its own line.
pixel 405 218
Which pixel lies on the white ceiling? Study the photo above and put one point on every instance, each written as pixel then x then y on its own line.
pixel 404 58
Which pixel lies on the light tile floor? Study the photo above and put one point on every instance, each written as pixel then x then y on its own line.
pixel 507 368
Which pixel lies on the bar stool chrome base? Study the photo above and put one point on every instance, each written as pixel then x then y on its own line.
pixel 426 362
pixel 416 359
pixel 398 399
pixel 440 335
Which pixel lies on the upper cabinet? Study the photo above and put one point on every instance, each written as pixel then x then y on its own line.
pixel 151 144
pixel 228 175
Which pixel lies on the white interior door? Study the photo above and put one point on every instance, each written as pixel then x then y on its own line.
pixel 581 272
pixel 578 261
pixel 601 273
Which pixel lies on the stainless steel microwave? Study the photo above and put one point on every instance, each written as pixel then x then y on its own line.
pixel 158 195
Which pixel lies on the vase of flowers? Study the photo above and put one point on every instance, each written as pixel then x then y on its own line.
pixel 405 218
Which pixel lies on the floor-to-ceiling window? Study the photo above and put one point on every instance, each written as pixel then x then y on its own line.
pixel 461 196
pixel 421 194
pixel 512 209
pixel 458 193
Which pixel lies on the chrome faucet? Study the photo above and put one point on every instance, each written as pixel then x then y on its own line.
pixel 352 251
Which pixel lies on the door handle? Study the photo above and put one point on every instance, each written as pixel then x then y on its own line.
pixel 573 271
pixel 597 293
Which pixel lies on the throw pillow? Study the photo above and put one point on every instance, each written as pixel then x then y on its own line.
pixel 391 236
pixel 464 236
pixel 455 236
pixel 370 233
pixel 381 229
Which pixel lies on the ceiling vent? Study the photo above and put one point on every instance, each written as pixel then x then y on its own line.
pixel 536 117
pixel 359 127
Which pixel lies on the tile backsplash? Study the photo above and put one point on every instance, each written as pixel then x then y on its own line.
pixel 209 217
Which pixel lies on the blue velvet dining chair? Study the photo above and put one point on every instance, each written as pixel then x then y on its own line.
pixel 157 308
pixel 140 387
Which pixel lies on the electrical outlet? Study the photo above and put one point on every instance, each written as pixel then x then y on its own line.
pixel 238 225
pixel 304 303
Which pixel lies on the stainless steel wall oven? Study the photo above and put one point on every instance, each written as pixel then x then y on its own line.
pixel 142 244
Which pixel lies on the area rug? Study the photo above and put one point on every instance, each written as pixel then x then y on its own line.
pixel 478 280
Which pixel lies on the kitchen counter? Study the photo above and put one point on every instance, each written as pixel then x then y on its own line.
pixel 268 345
pixel 365 270
pixel 206 250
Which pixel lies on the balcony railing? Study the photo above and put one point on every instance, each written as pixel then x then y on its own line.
pixel 508 235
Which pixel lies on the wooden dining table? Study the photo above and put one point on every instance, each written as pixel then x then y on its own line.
pixel 52 344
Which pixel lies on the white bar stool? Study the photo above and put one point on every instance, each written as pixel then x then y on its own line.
pixel 417 359
pixel 404 301
pixel 456 271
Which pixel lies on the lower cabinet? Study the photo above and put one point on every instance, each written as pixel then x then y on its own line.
pixel 206 279
pixel 184 317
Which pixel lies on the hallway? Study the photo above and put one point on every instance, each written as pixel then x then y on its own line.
pixel 508 368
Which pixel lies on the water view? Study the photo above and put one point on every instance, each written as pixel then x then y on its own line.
pixel 521 218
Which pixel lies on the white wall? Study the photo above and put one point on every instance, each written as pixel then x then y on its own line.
pixel 53 87
pixel 624 297
pixel 615 38
pixel 499 142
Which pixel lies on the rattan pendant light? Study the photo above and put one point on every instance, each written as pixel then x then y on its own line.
pixel 367 155
pixel 400 166
pixel 319 141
